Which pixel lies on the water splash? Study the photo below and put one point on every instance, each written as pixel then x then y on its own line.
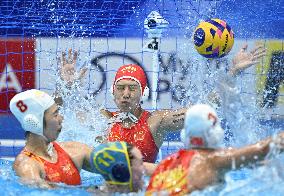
pixel 210 83
pixel 82 119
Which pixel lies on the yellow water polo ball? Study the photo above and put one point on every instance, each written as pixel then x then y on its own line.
pixel 213 38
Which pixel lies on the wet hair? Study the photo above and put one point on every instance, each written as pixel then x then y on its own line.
pixel 44 120
pixel 58 100
pixel 27 134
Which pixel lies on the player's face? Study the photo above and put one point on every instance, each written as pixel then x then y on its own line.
pixel 53 121
pixel 127 95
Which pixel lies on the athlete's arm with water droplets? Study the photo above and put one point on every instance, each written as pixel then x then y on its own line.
pixel 163 121
pixel 171 120
pixel 79 153
pixel 30 172
pixel 236 157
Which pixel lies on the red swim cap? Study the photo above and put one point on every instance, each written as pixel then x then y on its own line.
pixel 133 72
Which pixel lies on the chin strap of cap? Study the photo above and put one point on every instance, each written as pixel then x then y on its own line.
pixel 49 150
pixel 121 116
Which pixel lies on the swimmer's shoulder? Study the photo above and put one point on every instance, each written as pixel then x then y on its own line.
pixel 24 164
pixel 155 114
pixel 156 117
pixel 161 113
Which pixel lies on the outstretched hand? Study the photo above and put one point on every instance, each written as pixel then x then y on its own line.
pixel 279 141
pixel 245 59
pixel 67 69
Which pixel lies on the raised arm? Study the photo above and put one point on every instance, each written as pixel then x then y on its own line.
pixel 229 158
pixel 244 59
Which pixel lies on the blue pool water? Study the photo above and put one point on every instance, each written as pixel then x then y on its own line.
pixel 11 185
pixel 262 180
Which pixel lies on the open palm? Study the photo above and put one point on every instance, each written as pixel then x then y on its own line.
pixel 67 69
pixel 245 59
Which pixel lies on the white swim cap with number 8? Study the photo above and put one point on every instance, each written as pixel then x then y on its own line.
pixel 29 107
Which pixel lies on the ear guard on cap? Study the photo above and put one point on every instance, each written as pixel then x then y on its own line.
pixel 31 122
pixel 111 160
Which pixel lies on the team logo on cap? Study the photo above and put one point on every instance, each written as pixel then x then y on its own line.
pixel 197 141
pixel 129 69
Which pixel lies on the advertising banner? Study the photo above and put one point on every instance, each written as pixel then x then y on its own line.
pixel 17 68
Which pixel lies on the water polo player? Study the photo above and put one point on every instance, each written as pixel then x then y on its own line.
pixel 131 123
pixel 204 162
pixel 43 161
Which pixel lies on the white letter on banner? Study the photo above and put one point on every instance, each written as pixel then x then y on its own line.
pixel 13 83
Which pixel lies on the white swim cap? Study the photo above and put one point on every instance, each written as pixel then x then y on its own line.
pixel 202 128
pixel 29 107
